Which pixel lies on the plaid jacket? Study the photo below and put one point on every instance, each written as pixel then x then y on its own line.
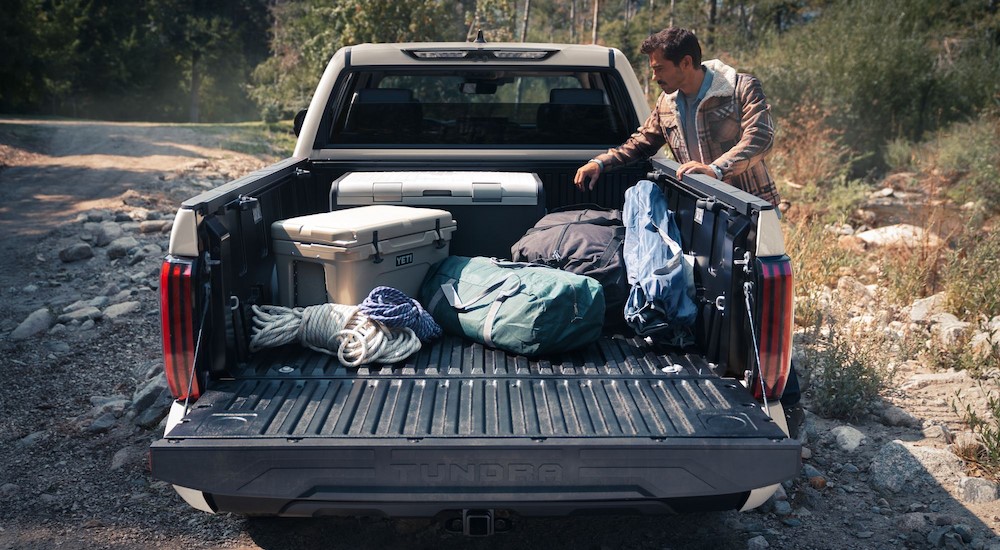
pixel 734 128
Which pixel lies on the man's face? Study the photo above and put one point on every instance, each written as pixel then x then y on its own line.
pixel 666 73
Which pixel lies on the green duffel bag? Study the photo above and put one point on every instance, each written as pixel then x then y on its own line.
pixel 521 308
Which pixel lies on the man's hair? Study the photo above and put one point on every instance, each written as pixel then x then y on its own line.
pixel 674 43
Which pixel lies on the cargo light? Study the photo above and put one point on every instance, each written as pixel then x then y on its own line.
pixel 775 339
pixel 177 304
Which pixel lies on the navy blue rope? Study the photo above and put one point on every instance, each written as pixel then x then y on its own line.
pixel 395 309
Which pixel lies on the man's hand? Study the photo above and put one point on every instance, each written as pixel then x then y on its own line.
pixel 587 173
pixel 694 167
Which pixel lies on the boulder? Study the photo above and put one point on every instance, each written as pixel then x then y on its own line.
pixel 899 235
pixel 904 468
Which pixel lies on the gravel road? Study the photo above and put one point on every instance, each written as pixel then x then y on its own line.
pixel 85 212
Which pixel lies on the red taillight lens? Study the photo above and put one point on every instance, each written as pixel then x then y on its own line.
pixel 177 321
pixel 775 344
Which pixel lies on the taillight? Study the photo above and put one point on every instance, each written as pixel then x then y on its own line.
pixel 775 307
pixel 177 305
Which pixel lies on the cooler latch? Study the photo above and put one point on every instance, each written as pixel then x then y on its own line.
pixel 487 192
pixel 378 257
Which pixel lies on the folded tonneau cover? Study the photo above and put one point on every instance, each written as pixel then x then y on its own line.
pixel 464 424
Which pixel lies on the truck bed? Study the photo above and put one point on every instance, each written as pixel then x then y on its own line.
pixel 622 422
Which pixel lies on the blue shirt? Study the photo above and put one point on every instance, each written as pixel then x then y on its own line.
pixel 687 109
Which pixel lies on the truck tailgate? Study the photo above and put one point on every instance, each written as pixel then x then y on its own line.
pixel 461 425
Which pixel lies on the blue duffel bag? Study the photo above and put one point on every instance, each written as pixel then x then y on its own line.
pixel 521 308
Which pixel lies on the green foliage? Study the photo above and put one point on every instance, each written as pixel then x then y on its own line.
pixel 885 69
pixel 986 425
pixel 969 154
pixel 849 366
pixel 972 274
pixel 306 34
pixel 147 59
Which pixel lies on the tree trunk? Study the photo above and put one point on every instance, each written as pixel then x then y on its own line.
pixel 712 15
pixel 593 32
pixel 671 13
pixel 572 22
pixel 524 21
pixel 195 86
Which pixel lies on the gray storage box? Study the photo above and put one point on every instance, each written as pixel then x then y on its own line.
pixel 341 256
pixel 493 209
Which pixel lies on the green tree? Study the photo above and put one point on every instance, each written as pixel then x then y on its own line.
pixel 306 34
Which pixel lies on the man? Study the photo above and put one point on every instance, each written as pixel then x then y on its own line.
pixel 716 122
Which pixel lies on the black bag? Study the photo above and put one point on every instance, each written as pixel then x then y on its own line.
pixel 584 241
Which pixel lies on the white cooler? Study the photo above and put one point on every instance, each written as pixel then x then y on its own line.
pixel 493 209
pixel 341 256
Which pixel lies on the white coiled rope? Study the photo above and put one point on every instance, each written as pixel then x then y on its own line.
pixel 335 329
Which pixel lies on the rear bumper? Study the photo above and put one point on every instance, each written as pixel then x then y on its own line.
pixel 426 477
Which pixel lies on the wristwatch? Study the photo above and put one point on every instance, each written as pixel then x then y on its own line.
pixel 598 162
pixel 717 170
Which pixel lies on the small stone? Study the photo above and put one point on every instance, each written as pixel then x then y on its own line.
pixel 953 541
pixel 76 253
pixel 102 423
pixel 757 542
pixel 58 346
pixel 123 309
pixel 848 438
pixel 810 471
pixel 108 232
pixel 818 482
pixel 806 453
pixel 119 247
pixel 850 468
pixel 782 508
pixel 80 315
pixel 120 459
pixel 936 537
pixel 152 226
pixel 895 416
pixel 913 521
pixel 31 439
pixel 939 431
pixel 39 321
pixel 865 534
pixel 792 522
pixel 963 531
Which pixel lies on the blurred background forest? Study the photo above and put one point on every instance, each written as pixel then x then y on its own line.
pixel 864 73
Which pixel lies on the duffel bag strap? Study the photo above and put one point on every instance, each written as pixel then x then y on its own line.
pixel 450 294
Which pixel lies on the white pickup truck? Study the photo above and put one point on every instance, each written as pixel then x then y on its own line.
pixel 461 430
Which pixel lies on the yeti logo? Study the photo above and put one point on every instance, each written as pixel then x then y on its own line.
pixel 404 259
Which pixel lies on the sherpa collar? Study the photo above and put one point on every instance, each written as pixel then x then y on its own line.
pixel 723 83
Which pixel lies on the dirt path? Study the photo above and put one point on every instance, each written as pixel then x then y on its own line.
pixel 73 469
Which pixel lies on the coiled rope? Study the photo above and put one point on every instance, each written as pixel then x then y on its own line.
pixel 335 329
pixel 394 309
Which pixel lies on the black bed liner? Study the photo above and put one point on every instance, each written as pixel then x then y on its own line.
pixel 463 425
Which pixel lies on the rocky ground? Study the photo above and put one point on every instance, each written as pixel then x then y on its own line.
pixel 85 211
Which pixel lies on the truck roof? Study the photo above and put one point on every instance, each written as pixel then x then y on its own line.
pixel 489 52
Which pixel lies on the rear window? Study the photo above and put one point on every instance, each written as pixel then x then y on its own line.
pixel 482 107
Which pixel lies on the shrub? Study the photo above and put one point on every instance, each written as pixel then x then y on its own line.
pixel 849 366
pixel 972 275
pixel 985 425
